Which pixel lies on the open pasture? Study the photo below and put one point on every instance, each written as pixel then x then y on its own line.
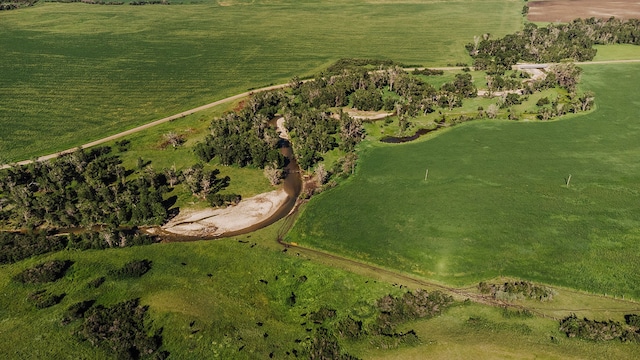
pixel 73 73
pixel 496 201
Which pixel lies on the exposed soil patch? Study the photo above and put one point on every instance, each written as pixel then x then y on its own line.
pixel 567 10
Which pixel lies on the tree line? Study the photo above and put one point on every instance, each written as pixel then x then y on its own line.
pixel 551 43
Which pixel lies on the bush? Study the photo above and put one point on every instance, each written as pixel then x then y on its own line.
pixel 120 330
pixel 95 283
pixel 43 299
pixel 517 290
pixel 77 310
pixel 350 328
pixel 132 269
pixel 46 272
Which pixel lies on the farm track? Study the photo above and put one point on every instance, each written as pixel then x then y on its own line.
pixel 226 100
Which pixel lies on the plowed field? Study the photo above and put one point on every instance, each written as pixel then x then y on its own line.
pixel 567 10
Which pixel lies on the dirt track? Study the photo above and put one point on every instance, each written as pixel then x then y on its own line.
pixel 567 10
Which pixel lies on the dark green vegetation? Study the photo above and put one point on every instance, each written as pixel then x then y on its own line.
pixel 497 202
pixel 120 329
pixel 601 330
pixel 46 272
pixel 72 73
pixel 553 43
pixel 82 188
pixel 15 4
pixel 515 290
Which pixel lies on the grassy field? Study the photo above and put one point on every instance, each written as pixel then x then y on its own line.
pixel 72 73
pixel 496 202
pixel 213 316
pixel 224 307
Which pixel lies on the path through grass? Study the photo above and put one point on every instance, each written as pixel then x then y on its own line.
pixel 496 202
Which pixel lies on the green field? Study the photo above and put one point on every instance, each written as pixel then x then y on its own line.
pixel 209 317
pixel 496 203
pixel 72 73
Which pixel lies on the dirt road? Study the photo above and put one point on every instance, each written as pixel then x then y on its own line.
pixel 226 100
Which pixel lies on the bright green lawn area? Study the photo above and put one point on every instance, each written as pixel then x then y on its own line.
pixel 617 52
pixel 496 202
pixel 72 73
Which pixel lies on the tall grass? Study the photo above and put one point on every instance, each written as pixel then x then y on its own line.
pixel 496 201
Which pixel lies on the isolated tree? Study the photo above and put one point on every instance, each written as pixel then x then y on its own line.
pixel 566 75
pixel 492 111
pixel 273 174
pixel 174 139
pixel 321 175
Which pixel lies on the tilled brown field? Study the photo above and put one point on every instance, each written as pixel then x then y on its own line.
pixel 567 10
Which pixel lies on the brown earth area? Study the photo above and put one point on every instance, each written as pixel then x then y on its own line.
pixel 567 10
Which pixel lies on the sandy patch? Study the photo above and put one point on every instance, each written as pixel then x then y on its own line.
pixel 215 222
pixel 368 115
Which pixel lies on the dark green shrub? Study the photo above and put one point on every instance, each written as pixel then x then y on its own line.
pixel 43 299
pixel 132 269
pixel 49 271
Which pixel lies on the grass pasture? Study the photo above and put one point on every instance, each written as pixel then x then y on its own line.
pixel 210 317
pixel 496 203
pixel 73 73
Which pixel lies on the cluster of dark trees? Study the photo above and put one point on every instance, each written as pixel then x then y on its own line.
pixel 522 289
pixel 393 311
pixel 602 330
pixel 244 138
pixel 18 246
pixel 411 306
pixel 83 188
pixel 15 4
pixel 119 329
pixel 49 271
pixel 552 43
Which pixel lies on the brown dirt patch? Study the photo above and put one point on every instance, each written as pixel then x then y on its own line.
pixel 567 10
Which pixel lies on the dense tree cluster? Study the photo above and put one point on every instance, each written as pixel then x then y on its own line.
pixel 15 4
pixel 417 305
pixel 82 189
pixel 245 138
pixel 120 329
pixel 49 271
pixel 600 330
pixel 17 246
pixel 517 289
pixel 552 43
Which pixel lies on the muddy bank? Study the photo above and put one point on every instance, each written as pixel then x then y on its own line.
pixel 247 216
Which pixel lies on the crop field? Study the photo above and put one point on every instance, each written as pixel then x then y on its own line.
pixel 72 73
pixel 496 201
